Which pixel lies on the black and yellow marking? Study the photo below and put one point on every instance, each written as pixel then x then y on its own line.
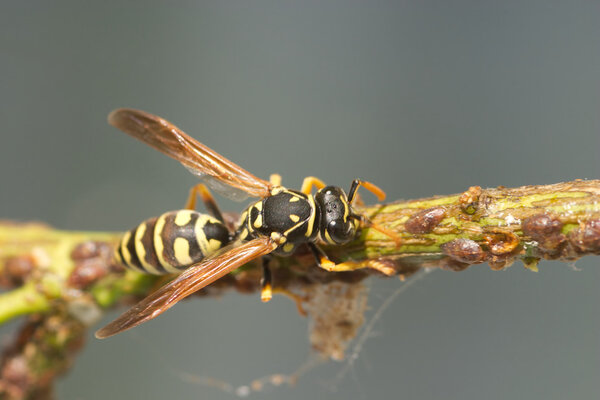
pixel 281 221
pixel 144 246
pixel 289 213
pixel 310 226
pixel 176 240
pixel 171 242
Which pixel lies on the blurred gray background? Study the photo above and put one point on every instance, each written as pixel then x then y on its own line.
pixel 421 97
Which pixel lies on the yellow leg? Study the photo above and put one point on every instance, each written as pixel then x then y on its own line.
pixel 381 267
pixel 353 266
pixel 190 203
pixel 366 223
pixel 309 182
pixel 320 257
pixel 266 283
pixel 324 262
pixel 266 292
pixel 275 179
pixel 299 300
pixel 209 201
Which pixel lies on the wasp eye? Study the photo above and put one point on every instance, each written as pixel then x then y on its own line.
pixel 340 232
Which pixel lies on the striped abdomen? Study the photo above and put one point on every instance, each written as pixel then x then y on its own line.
pixel 172 242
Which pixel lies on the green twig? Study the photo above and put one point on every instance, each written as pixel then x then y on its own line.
pixel 21 301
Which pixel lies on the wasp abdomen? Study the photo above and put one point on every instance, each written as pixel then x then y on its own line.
pixel 172 242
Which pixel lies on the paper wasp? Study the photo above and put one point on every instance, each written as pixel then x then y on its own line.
pixel 201 245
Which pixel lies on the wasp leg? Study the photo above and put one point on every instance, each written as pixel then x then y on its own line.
pixel 267 290
pixel 356 265
pixel 296 298
pixel 209 201
pixel 381 267
pixel 367 223
pixel 266 283
pixel 328 265
pixel 275 179
pixel 367 185
pixel 321 258
pixel 309 182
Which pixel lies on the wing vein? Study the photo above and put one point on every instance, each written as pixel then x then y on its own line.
pixel 191 280
pixel 220 173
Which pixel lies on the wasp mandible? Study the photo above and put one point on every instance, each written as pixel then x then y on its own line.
pixel 200 247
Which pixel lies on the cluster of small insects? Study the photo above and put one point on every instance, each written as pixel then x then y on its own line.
pixel 200 247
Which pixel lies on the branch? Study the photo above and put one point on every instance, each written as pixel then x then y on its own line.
pixel 64 280
pixel 497 226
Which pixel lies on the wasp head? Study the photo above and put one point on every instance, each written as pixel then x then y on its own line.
pixel 338 224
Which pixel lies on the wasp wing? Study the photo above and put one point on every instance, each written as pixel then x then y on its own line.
pixel 191 280
pixel 196 157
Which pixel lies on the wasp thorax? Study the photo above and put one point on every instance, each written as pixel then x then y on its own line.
pixel 337 224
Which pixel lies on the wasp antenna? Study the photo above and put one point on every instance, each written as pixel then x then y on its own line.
pixel 376 190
